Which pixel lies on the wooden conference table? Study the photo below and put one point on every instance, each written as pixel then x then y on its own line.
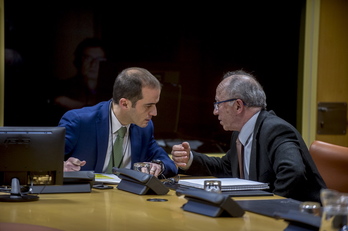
pixel 114 209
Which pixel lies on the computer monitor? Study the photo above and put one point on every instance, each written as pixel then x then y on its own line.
pixel 30 156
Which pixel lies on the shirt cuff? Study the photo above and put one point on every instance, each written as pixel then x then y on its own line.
pixel 188 165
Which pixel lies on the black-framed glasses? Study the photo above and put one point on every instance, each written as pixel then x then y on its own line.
pixel 216 104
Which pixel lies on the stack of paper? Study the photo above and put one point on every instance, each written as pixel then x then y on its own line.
pixel 107 178
pixel 227 184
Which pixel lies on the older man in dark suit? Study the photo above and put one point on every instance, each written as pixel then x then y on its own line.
pixel 272 150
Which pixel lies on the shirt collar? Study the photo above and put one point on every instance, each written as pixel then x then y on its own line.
pixel 248 129
pixel 115 124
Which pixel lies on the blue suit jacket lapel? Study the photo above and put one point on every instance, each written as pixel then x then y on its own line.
pixel 102 127
pixel 135 143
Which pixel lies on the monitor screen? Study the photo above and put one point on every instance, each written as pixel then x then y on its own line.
pixel 33 155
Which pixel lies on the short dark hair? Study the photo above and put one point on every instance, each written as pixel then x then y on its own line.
pixel 87 42
pixel 130 82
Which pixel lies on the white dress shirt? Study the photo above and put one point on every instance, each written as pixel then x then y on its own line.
pixel 246 137
pixel 114 126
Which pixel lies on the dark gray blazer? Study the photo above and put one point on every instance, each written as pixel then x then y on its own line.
pixel 279 156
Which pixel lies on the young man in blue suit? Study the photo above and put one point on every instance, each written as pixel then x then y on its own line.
pixel 274 151
pixel 91 131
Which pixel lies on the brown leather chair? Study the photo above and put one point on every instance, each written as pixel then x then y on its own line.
pixel 332 163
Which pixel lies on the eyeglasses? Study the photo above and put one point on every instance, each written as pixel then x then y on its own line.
pixel 216 104
pixel 90 59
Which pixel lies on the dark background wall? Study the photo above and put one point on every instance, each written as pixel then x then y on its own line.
pixel 187 45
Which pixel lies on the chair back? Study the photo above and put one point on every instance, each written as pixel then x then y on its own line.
pixel 332 163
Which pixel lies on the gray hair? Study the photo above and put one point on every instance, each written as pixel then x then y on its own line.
pixel 244 86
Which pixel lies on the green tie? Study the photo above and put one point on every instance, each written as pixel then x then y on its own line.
pixel 116 158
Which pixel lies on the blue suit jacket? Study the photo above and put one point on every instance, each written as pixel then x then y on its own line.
pixel 87 135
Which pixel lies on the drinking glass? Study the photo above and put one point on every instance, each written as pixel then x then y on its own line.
pixel 335 210
pixel 142 167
